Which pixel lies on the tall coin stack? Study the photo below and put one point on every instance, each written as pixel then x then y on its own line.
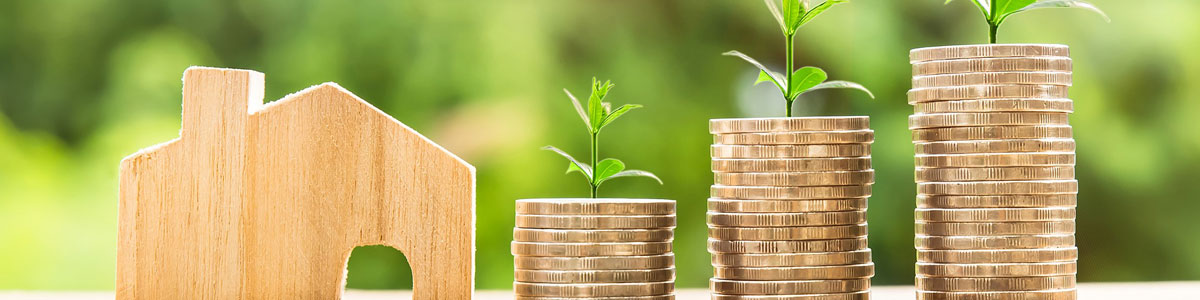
pixel 788 213
pixel 995 171
pixel 594 249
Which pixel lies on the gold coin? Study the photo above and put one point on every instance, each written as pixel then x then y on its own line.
pixel 589 206
pixel 991 133
pixel 986 188
pixel 992 78
pixel 994 242
pixel 995 228
pixel 592 235
pixel 593 289
pixel 1003 64
pixel 1034 180
pixel 741 125
pixel 590 249
pixel 595 222
pixel 996 284
pixel 595 276
pixel 918 121
pixel 660 261
pixel 999 295
pixel 792 164
pixel 788 233
pixel 996 146
pixel 716 219
pixel 995 214
pixel 797 138
pixel 998 255
pixel 996 105
pixel 792 259
pixel 997 201
pixel 988 50
pixel 995 160
pixel 662 297
pixel 987 92
pixel 996 270
pixel 774 247
pixel 1010 295
pixel 828 178
pixel 863 295
pixel 790 151
pixel 994 174
pixel 801 192
pixel 796 273
pixel 743 287
pixel 785 206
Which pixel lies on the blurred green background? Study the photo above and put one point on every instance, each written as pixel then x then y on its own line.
pixel 85 82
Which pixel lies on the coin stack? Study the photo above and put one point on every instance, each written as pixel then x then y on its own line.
pixel 594 249
pixel 788 213
pixel 995 172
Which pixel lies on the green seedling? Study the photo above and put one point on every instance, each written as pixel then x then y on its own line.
pixel 997 11
pixel 793 15
pixel 598 115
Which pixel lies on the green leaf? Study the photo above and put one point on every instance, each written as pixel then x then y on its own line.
pixel 579 109
pixel 607 168
pixel 572 167
pixel 636 173
pixel 774 8
pixel 1005 8
pixel 776 77
pixel 804 79
pixel 820 8
pixel 839 84
pixel 792 11
pixel 1059 4
pixel 985 7
pixel 617 113
pixel 596 102
pixel 763 76
pixel 581 167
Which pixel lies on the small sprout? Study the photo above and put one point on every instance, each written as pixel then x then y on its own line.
pixel 997 11
pixel 598 115
pixel 793 15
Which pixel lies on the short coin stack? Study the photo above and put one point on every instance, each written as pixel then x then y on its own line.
pixel 995 171
pixel 594 249
pixel 788 213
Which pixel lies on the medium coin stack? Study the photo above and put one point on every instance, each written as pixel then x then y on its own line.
pixel 788 213
pixel 594 249
pixel 995 172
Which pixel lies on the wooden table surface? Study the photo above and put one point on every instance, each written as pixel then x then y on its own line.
pixel 1087 291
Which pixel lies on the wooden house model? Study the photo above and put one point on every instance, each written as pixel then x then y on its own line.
pixel 257 201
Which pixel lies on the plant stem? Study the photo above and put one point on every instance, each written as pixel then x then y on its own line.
pixel 992 36
pixel 993 24
pixel 595 158
pixel 791 38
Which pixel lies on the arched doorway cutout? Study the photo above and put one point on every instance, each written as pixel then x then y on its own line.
pixel 378 267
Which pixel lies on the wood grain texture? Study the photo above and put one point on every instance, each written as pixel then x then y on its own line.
pixel 267 201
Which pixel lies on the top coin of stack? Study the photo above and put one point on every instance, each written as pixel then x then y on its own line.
pixel 995 172
pixel 787 215
pixel 594 248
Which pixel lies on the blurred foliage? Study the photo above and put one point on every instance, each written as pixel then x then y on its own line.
pixel 85 82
